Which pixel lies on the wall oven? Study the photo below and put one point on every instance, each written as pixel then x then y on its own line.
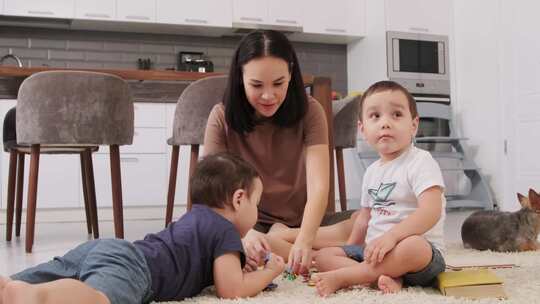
pixel 419 62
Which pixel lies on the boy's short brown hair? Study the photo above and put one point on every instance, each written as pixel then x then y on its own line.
pixel 388 85
pixel 217 176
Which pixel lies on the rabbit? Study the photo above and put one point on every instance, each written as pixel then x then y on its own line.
pixel 505 231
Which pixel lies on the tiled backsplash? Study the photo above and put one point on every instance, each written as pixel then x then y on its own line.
pixel 93 49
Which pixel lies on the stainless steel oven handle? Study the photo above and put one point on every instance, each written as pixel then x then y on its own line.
pixel 435 99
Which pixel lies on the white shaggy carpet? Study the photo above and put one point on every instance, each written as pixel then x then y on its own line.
pixel 522 284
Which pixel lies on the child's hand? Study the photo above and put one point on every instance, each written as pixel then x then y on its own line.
pixel 275 263
pixel 255 247
pixel 379 247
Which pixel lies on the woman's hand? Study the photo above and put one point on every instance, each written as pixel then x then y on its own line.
pixel 256 247
pixel 300 258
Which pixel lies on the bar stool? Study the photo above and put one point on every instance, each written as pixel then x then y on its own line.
pixel 190 117
pixel 73 111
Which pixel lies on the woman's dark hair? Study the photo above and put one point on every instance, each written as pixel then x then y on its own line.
pixel 388 85
pixel 239 114
pixel 217 176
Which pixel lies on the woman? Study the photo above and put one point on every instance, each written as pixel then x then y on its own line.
pixel 267 119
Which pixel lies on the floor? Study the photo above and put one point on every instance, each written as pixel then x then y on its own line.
pixel 54 239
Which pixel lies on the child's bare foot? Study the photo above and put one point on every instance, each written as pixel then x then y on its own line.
pixel 388 284
pixel 19 292
pixel 326 282
pixel 276 227
pixel 3 283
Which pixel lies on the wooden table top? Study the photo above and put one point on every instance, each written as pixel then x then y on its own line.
pixel 162 75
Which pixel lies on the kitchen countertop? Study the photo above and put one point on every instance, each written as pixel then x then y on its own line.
pixel 10 71
pixel 146 85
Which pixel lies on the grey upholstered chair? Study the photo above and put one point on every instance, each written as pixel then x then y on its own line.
pixel 191 115
pixel 74 111
pixel 345 112
pixel 16 171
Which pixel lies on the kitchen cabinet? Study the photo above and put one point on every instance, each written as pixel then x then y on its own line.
pixel 250 11
pixel 285 12
pixel 265 12
pixel 422 16
pixel 39 8
pixel 136 10
pixel 143 164
pixel 95 10
pixel 144 178
pixel 197 13
pixel 341 17
pixel 1 6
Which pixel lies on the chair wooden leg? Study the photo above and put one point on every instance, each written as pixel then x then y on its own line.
pixel 116 192
pixel 194 158
pixel 11 194
pixel 19 195
pixel 91 188
pixel 32 197
pixel 85 193
pixel 341 179
pixel 172 185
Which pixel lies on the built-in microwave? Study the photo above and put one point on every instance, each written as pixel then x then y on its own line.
pixel 419 62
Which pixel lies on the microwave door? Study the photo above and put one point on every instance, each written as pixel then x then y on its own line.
pixel 418 56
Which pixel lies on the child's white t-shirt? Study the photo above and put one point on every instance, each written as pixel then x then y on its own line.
pixel 392 189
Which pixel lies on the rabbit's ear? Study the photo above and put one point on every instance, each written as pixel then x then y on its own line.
pixel 523 201
pixel 534 199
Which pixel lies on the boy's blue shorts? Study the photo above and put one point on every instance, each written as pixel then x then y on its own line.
pixel 426 277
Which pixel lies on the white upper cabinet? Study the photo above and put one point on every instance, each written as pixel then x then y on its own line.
pixel 285 12
pixel 197 13
pixel 340 17
pixel 250 11
pixel 136 10
pixel 95 9
pixel 40 8
pixel 268 12
pixel 1 6
pixel 419 16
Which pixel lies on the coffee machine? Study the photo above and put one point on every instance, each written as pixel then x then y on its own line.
pixel 194 62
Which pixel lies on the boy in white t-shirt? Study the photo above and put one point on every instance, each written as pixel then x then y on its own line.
pixel 398 236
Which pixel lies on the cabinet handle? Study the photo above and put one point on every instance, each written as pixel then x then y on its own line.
pixel 419 29
pixel 335 30
pixel 286 21
pixel 135 17
pixel 198 21
pixel 256 19
pixel 97 15
pixel 48 13
pixel 129 159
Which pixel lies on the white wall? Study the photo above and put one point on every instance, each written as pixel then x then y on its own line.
pixel 474 59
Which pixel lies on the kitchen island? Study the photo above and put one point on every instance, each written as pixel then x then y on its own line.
pixel 145 163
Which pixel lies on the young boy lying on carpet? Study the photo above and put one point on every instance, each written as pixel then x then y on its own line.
pixel 398 236
pixel 200 249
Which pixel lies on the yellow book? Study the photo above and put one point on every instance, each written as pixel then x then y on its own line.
pixel 474 283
